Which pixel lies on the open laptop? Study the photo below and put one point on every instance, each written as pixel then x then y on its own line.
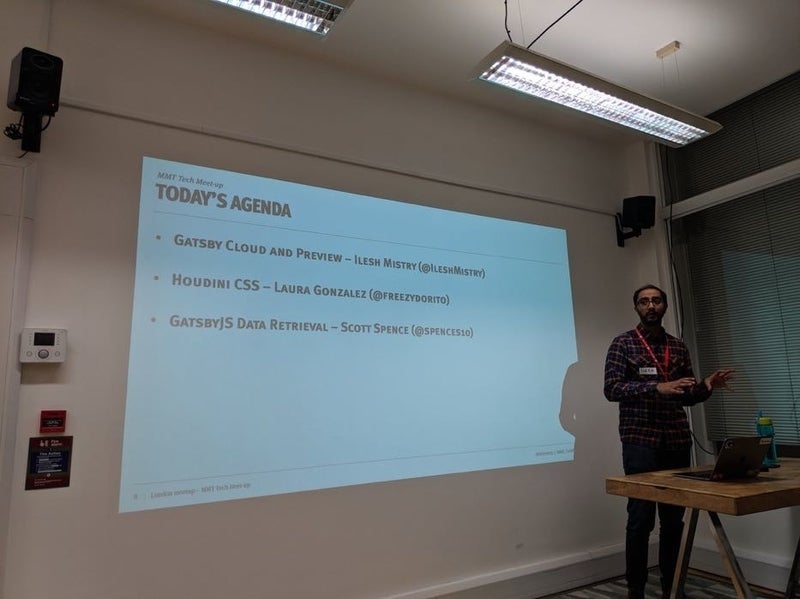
pixel 739 457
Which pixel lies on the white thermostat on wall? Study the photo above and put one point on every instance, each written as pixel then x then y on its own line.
pixel 43 345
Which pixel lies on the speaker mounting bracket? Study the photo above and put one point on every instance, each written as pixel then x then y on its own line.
pixel 622 236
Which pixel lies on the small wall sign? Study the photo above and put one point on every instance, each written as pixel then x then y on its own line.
pixel 48 462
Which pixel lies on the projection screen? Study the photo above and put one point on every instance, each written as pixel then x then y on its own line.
pixel 289 338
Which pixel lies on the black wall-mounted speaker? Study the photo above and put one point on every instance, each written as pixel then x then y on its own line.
pixel 35 82
pixel 639 212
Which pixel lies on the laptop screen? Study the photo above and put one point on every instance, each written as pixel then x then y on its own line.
pixel 738 457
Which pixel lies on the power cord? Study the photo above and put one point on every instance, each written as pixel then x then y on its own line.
pixel 553 23
pixel 700 446
pixel 528 47
pixel 14 130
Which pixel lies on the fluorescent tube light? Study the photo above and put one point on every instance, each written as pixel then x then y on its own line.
pixel 520 69
pixel 311 15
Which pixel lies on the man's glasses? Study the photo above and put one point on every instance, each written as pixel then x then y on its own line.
pixel 643 302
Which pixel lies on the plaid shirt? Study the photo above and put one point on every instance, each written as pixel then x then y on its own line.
pixel 646 417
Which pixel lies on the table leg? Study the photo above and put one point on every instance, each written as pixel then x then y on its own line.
pixel 791 585
pixel 729 559
pixel 687 541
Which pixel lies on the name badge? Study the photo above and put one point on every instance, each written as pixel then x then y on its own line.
pixel 648 370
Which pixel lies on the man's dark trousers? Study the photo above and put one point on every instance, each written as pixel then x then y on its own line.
pixel 642 519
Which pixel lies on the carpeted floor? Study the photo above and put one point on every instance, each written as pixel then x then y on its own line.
pixel 699 585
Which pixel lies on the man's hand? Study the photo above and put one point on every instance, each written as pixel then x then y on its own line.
pixel 719 379
pixel 676 387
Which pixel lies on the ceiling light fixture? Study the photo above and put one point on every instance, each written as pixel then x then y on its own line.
pixel 522 70
pixel 311 15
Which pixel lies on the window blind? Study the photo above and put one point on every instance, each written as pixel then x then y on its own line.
pixel 758 132
pixel 742 259
pixel 738 263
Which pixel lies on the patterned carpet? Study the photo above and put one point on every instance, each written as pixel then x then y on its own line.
pixel 699 585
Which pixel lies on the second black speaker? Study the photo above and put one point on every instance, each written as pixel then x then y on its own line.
pixel 639 212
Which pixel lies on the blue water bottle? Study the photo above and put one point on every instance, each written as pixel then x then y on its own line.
pixel 765 428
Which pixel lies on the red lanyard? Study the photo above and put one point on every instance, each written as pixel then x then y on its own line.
pixel 650 351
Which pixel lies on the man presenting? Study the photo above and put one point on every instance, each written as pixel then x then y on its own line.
pixel 649 373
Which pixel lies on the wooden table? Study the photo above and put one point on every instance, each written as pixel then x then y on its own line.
pixel 778 488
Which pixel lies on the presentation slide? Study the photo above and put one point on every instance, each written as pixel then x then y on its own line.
pixel 289 338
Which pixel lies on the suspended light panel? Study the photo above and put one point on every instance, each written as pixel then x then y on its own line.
pixel 519 69
pixel 311 15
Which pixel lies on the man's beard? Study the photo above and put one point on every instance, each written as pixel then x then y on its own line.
pixel 651 318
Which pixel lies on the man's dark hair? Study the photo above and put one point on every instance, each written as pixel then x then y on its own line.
pixel 638 291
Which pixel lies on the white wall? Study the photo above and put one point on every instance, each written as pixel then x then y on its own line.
pixel 135 85
pixel 17 181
